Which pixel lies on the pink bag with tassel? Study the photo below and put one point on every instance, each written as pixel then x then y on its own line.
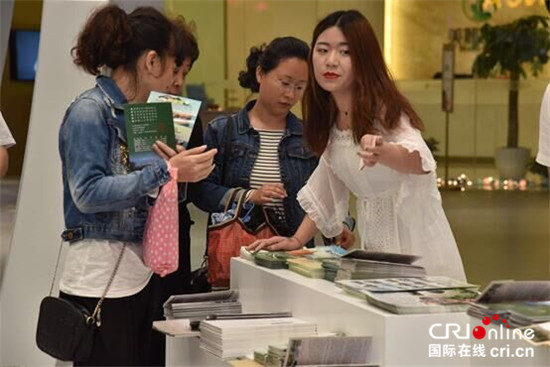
pixel 161 236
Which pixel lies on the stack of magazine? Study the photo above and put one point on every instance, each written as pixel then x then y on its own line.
pixel 429 294
pixel 521 303
pixel 238 337
pixel 361 264
pixel 198 306
pixel 338 351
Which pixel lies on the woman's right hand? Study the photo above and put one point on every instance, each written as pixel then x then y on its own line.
pixel 268 193
pixel 193 165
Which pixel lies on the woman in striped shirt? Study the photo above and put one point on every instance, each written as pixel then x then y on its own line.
pixel 261 146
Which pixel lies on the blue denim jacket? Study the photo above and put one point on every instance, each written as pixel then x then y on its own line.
pixel 296 163
pixel 102 197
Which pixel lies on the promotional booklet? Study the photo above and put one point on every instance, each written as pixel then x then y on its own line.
pixel 145 124
pixel 184 110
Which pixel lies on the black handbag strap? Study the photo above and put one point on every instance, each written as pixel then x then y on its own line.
pixel 95 318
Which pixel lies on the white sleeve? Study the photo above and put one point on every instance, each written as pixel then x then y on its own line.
pixel 411 139
pixel 6 139
pixel 543 156
pixel 325 198
pixel 421 187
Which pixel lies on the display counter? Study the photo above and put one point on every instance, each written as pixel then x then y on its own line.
pixel 397 340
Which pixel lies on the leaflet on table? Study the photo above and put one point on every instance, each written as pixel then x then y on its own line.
pixel 145 124
pixel 185 111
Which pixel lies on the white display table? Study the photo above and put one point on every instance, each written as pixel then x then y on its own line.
pixel 398 340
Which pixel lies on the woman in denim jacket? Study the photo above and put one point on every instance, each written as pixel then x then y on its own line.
pixel 106 201
pixel 266 150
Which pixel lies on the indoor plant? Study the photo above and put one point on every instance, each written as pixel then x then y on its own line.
pixel 507 49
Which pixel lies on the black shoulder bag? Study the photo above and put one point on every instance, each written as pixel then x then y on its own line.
pixel 66 329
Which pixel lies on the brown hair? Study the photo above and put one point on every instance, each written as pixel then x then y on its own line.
pixel 185 34
pixel 113 38
pixel 375 96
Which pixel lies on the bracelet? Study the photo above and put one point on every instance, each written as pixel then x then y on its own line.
pixel 297 240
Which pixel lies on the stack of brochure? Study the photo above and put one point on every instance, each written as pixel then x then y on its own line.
pixel 272 260
pixel 541 333
pixel 414 295
pixel 331 267
pixel 521 303
pixel 361 264
pixel 275 355
pixel 238 337
pixel 329 351
pixel 198 306
pixel 434 301
pixel 306 267
pixel 260 356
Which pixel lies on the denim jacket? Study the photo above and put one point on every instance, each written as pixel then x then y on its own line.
pixel 102 197
pixel 296 162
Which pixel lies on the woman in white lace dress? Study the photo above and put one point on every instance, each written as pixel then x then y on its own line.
pixel 368 136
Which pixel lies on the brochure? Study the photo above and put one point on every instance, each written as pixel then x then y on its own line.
pixel 145 124
pixel 185 111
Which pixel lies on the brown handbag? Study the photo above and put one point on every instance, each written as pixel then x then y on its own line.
pixel 225 240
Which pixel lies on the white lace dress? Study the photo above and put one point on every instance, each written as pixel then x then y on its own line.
pixel 397 212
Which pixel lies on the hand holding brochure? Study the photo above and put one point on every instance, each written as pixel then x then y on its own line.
pixel 185 112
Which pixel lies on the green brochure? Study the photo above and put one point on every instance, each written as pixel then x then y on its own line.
pixel 145 124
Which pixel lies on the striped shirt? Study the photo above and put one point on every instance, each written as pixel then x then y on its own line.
pixel 266 168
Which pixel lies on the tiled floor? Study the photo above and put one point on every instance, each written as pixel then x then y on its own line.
pixel 501 234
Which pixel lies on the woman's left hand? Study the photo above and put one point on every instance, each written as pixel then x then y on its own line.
pixel 277 243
